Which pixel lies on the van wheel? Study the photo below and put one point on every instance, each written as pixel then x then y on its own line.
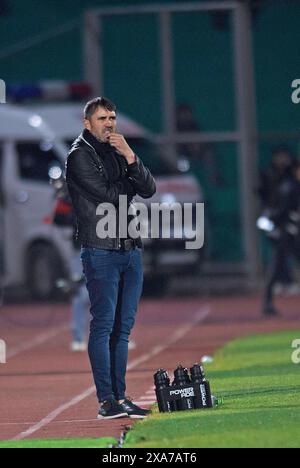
pixel 43 269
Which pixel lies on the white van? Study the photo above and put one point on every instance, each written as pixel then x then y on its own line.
pixel 34 252
pixel 27 149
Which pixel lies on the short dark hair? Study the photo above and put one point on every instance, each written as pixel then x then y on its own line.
pixel 91 107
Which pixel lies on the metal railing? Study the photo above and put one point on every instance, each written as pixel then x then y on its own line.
pixel 245 133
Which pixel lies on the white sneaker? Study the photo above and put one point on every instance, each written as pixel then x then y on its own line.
pixel 78 346
pixel 131 344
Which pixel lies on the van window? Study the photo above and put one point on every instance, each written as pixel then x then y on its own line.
pixel 151 157
pixel 35 160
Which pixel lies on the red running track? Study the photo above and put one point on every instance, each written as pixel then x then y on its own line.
pixel 47 391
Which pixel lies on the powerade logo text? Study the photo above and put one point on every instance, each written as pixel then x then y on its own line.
pixel 2 92
pixel 185 392
pixel 203 395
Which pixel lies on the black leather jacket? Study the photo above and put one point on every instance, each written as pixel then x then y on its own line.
pixel 89 185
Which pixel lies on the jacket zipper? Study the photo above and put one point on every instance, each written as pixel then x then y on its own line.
pixel 102 168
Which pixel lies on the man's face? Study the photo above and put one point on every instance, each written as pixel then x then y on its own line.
pixel 102 124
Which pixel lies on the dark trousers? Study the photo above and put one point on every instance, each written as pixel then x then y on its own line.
pixel 114 282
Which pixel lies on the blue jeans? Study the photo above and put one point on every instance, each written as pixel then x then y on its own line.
pixel 114 282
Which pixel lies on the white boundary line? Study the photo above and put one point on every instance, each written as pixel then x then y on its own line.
pixel 144 403
pixel 198 317
pixel 34 342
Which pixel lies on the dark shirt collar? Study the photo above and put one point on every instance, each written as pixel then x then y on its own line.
pixel 101 148
pixel 111 159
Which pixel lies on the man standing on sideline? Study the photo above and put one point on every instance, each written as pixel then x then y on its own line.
pixel 101 167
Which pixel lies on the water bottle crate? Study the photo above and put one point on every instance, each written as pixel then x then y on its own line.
pixel 186 393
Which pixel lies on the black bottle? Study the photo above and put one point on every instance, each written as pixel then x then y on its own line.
pixel 162 381
pixel 203 398
pixel 182 379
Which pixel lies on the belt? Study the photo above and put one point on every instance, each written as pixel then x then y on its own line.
pixel 128 244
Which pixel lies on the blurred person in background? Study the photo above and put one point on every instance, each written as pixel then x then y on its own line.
pixel 64 216
pixel 198 154
pixel 202 162
pixel 279 194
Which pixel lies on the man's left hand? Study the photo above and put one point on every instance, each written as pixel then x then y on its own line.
pixel 120 144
